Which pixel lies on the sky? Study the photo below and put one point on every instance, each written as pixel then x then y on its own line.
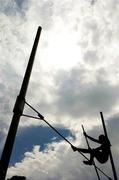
pixel 75 76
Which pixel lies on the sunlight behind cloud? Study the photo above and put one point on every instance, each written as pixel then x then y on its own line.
pixel 62 52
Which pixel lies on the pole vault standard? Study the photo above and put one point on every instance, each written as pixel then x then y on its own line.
pixel 111 158
pixel 17 112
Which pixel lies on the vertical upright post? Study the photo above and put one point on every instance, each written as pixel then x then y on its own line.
pixel 17 112
pixel 93 160
pixel 111 158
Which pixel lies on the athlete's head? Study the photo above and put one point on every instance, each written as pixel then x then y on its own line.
pixel 102 138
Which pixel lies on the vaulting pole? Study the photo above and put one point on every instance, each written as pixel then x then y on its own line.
pixel 17 112
pixel 93 160
pixel 111 158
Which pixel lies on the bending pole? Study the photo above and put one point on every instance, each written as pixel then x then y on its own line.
pixel 17 112
pixel 111 158
pixel 93 160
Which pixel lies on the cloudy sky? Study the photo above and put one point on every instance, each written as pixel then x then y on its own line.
pixel 75 76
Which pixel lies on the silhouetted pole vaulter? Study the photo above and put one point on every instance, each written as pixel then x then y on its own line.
pixel 89 148
pixel 110 153
pixel 17 112
pixel 101 153
pixel 41 117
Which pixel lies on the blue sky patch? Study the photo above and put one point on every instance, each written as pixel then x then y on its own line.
pixel 28 137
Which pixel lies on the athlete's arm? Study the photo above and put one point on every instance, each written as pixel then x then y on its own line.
pixel 93 139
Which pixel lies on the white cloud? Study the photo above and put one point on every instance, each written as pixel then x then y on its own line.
pixel 58 161
pixel 75 74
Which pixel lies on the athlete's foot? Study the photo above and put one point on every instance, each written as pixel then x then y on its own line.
pixel 87 162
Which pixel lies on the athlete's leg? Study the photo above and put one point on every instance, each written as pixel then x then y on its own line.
pixel 101 157
pixel 84 150
pixel 92 155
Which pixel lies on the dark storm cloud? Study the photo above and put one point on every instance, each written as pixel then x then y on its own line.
pixel 20 3
pixel 78 96
pixel 113 127
pixel 12 8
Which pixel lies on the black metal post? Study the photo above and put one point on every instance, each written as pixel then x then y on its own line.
pixel 111 158
pixel 17 112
